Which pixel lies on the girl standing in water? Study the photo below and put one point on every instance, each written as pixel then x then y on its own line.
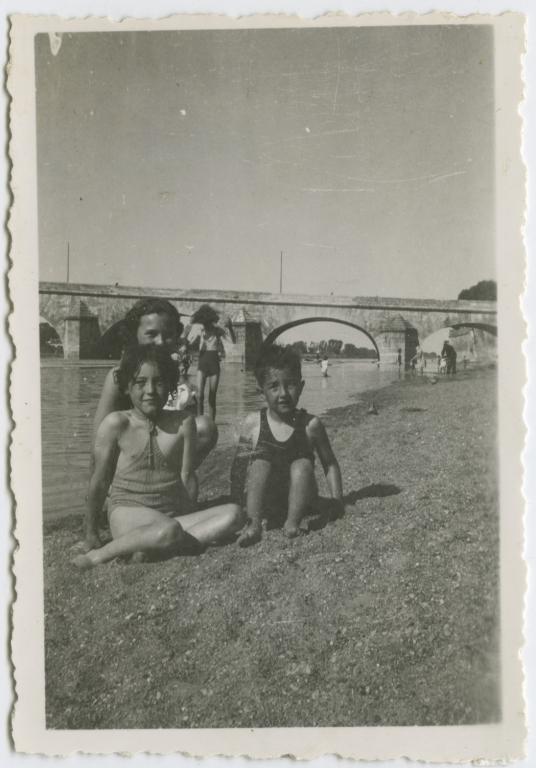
pixel 211 350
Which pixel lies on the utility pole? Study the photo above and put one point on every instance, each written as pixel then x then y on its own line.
pixel 281 273
pixel 68 260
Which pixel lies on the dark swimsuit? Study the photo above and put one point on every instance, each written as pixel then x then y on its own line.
pixel 209 362
pixel 282 454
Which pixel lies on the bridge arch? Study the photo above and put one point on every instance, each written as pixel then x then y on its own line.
pixel 110 345
pixel 50 341
pixel 273 334
pixel 480 345
pixel 491 329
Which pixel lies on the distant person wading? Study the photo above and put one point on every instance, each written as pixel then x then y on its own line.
pixel 205 328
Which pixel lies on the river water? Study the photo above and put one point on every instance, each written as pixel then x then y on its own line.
pixel 70 392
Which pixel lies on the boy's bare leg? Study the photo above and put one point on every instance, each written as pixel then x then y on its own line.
pixel 209 526
pixel 302 495
pixel 257 482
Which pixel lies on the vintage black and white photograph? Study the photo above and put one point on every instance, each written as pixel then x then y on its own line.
pixel 269 328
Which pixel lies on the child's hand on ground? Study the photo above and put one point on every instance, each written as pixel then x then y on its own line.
pixel 251 534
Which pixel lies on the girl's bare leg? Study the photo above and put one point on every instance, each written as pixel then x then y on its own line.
pixel 302 495
pixel 201 378
pixel 213 382
pixel 137 529
pixel 209 526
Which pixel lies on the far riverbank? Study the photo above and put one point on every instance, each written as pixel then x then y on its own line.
pixel 385 617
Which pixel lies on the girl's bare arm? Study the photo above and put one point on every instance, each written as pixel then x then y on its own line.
pixel 109 401
pixel 105 454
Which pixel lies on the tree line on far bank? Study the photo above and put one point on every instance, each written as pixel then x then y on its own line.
pixel 485 290
pixel 333 348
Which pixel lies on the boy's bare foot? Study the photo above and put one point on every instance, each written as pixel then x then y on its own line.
pixel 84 562
pixel 252 534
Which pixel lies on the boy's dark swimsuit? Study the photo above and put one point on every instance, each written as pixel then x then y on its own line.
pixel 281 455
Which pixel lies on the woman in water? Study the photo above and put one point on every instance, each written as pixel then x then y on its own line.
pixel 211 350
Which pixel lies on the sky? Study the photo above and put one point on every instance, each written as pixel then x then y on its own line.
pixel 192 159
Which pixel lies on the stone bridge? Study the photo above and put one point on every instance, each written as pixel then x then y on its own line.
pixel 85 318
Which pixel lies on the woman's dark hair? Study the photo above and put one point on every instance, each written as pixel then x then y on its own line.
pixel 205 315
pixel 136 355
pixel 278 357
pixel 149 306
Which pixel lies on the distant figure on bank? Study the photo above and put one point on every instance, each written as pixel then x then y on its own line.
pixel 273 469
pixel 210 335
pixel 324 366
pixel 419 360
pixel 399 358
pixel 145 456
pixel 153 322
pixel 449 353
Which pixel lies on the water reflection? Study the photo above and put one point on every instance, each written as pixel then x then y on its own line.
pixel 70 392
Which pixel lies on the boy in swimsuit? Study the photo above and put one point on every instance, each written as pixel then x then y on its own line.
pixel 276 451
pixel 145 457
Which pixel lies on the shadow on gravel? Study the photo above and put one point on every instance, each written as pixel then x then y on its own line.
pixel 375 490
pixel 413 410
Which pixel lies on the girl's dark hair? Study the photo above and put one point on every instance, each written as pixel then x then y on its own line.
pixel 205 315
pixel 136 355
pixel 148 306
pixel 278 357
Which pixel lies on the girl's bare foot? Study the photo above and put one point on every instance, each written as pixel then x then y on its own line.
pixel 291 531
pixel 252 534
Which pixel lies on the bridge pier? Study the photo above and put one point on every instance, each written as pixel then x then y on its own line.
pixel 247 341
pixel 81 331
pixel 396 333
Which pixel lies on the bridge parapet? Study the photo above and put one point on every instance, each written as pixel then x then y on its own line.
pixel 257 316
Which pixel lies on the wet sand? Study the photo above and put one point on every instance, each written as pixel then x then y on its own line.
pixel 387 616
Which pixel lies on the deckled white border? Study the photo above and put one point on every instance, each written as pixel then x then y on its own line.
pixel 470 742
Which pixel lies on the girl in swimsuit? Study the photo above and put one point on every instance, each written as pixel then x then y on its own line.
pixel 210 351
pixel 145 457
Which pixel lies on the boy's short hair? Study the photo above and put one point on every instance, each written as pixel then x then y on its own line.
pixel 135 355
pixel 278 357
pixel 148 306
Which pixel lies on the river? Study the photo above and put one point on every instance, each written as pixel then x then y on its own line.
pixel 70 391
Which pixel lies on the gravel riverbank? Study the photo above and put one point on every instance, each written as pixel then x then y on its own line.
pixel 388 616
